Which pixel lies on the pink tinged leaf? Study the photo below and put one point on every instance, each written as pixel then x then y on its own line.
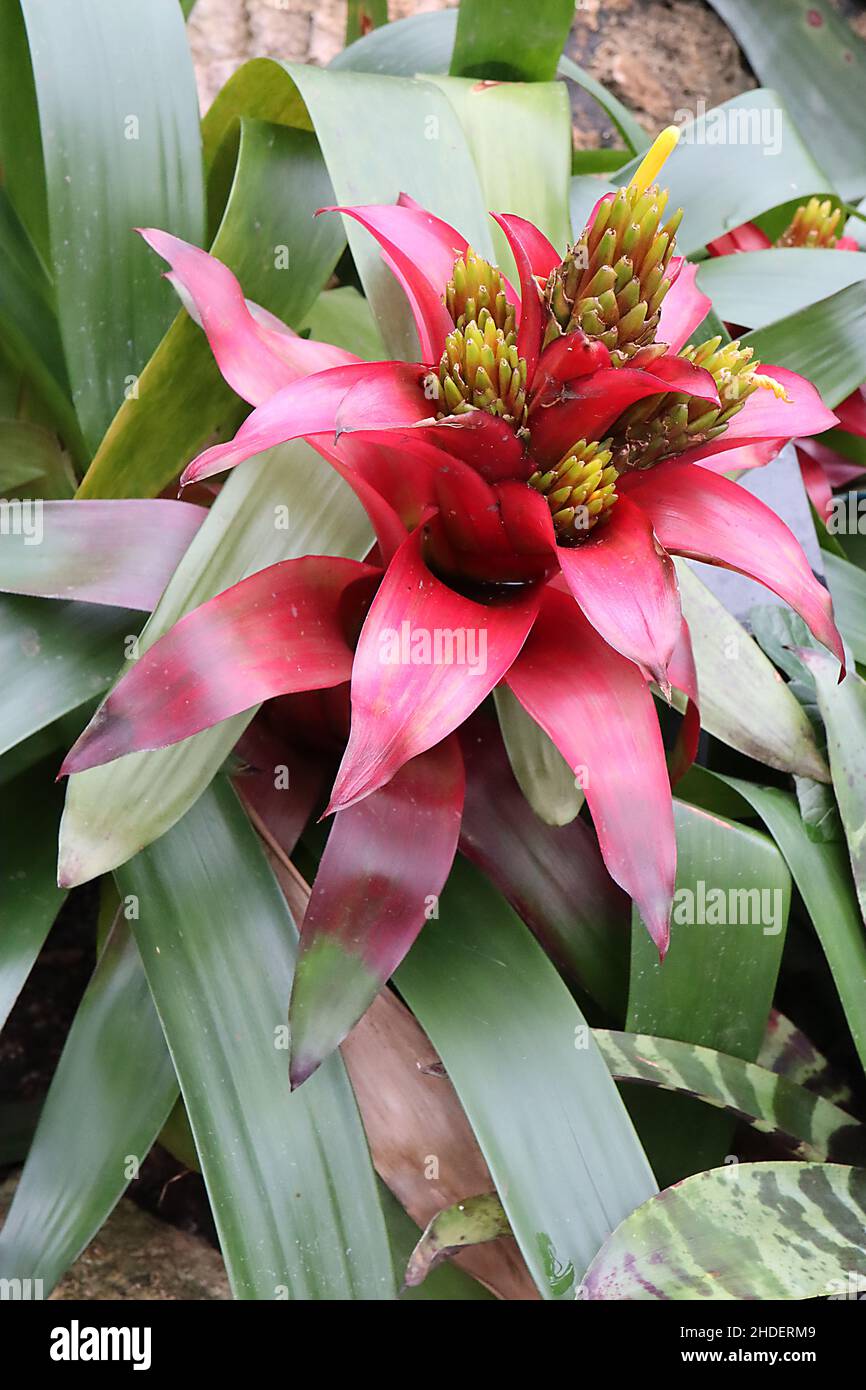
pixel 684 309
pixel 587 407
pixel 309 407
pixel 684 676
pixel 255 358
pixel 852 413
pixel 816 483
pixel 706 517
pixel 838 470
pixel 421 250
pixel 597 708
pixel 278 631
pixel 681 375
pixel 117 552
pixel 747 237
pixel 369 486
pixel 741 460
pixel 524 240
pixel 384 866
pixel 426 658
pixel 765 416
pixel 626 586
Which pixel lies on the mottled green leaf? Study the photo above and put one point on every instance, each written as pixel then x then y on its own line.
pixel 751 1231
pixel 814 1128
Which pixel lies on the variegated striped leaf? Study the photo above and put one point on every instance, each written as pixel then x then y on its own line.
pixel 751 1231
pixel 816 1129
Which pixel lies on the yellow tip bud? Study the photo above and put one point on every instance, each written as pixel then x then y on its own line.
pixel 648 169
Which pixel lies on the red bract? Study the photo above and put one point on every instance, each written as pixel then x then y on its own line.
pixel 504 554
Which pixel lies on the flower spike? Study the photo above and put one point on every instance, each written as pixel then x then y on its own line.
pixel 612 282
pixel 656 156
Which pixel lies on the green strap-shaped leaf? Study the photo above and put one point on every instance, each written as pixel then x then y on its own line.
pixel 818 63
pixel 716 985
pixel 29 896
pixel 742 700
pixel 282 255
pixel 825 342
pixel 822 874
pixel 470 1222
pixel 545 778
pixel 728 926
pixel 847 584
pixel 362 16
pixel 751 1231
pixel 55 656
pixel 20 138
pixel 514 44
pixel 424 43
pixel 27 453
pixel 557 1140
pixel 29 335
pixel 117 111
pixel 733 163
pixel 815 1129
pixel 533 121
pixel 843 709
pixel 344 317
pixel 758 287
pixel 289 1176
pixel 112 1090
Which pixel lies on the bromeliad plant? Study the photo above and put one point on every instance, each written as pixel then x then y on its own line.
pixel 408 615
pixel 528 482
